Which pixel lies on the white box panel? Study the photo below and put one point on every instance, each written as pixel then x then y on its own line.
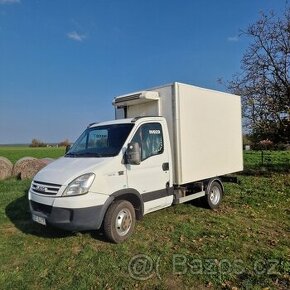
pixel 204 128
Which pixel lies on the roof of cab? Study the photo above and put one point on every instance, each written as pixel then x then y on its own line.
pixel 112 122
pixel 125 121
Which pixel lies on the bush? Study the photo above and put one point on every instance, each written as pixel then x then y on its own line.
pixel 268 145
pixel 280 147
pixel 263 145
pixel 37 143
pixel 64 143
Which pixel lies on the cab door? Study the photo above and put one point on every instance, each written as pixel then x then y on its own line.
pixel 151 178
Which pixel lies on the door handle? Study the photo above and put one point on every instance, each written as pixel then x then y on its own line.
pixel 165 166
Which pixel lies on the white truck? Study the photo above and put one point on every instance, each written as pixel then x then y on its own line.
pixel 167 145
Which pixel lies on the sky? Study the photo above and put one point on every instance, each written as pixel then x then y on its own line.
pixel 63 61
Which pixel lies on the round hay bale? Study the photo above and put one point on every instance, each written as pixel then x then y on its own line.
pixel 27 167
pixel 6 167
pixel 20 164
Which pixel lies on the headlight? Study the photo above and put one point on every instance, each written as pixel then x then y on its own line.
pixel 80 185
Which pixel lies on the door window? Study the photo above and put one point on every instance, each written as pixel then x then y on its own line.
pixel 150 139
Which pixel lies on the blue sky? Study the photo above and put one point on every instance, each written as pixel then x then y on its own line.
pixel 63 61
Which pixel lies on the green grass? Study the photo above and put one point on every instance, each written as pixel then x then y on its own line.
pixel 278 161
pixel 14 153
pixel 244 244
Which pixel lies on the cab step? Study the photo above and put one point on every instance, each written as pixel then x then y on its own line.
pixel 181 199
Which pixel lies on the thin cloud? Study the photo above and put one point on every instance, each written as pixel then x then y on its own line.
pixel 233 38
pixel 3 2
pixel 76 36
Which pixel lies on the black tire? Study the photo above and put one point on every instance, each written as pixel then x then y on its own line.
pixel 214 195
pixel 119 222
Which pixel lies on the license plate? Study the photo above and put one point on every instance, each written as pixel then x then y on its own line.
pixel 39 219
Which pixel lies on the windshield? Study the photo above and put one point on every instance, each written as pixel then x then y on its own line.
pixel 101 141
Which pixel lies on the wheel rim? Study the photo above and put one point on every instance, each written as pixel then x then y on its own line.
pixel 215 195
pixel 123 222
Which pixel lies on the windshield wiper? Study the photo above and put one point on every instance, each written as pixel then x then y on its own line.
pixel 71 155
pixel 89 154
pixel 92 154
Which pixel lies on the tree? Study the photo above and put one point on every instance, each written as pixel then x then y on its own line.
pixel 37 143
pixel 264 82
pixel 64 143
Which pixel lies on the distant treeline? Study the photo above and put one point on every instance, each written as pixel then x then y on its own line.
pixel 39 143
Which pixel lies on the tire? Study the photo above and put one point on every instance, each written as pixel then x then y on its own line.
pixel 119 222
pixel 214 195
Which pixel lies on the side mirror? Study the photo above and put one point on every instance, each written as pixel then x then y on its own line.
pixel 133 153
pixel 67 148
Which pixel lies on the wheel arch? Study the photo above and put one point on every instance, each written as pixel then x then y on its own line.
pixel 132 196
pixel 211 180
pixel 128 194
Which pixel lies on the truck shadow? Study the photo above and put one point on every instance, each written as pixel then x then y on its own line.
pixel 19 214
pixel 199 202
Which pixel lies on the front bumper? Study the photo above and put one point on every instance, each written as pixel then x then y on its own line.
pixel 69 218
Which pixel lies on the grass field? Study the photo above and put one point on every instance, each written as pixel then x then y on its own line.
pixel 14 153
pixel 278 161
pixel 243 244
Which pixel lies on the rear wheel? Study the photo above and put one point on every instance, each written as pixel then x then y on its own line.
pixel 119 221
pixel 214 195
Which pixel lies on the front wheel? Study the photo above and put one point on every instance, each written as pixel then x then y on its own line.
pixel 119 221
pixel 214 195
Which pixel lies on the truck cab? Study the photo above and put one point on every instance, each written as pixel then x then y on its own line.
pixel 114 172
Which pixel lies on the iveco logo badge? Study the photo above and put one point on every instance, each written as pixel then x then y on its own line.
pixel 40 188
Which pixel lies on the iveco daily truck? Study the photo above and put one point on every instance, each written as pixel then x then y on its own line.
pixel 167 145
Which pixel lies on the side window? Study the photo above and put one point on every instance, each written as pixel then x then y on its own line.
pixel 150 138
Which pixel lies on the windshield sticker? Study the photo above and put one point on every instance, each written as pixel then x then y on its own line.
pixel 154 132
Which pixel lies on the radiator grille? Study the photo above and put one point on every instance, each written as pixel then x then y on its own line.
pixel 45 188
